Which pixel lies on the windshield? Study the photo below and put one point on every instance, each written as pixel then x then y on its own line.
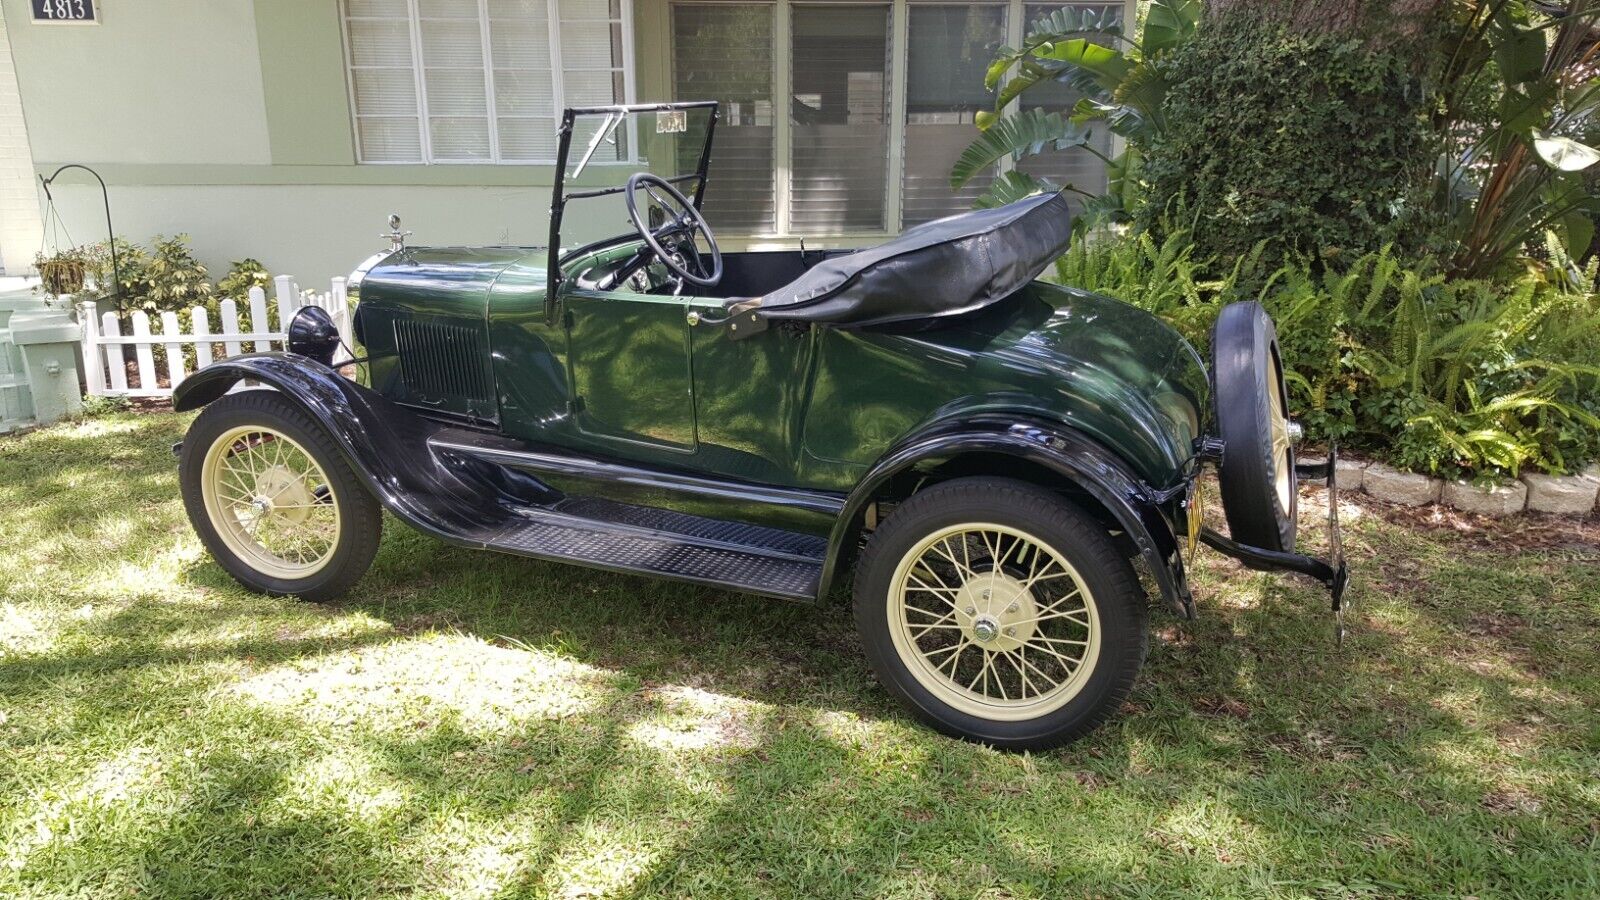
pixel 606 145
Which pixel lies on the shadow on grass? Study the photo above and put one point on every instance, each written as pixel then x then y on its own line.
pixel 714 744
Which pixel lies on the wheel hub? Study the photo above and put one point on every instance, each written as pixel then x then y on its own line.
pixel 985 628
pixel 283 492
pixel 997 611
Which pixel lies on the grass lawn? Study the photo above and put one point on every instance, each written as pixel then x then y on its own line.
pixel 469 724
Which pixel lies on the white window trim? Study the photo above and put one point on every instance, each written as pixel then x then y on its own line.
pixel 424 133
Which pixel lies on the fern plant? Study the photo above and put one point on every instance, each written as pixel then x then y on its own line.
pixel 1462 378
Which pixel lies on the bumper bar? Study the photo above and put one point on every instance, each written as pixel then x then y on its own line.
pixel 1332 571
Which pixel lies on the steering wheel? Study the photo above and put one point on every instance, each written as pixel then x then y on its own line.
pixel 683 223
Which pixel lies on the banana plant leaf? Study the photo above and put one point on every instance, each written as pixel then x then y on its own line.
pixel 1029 132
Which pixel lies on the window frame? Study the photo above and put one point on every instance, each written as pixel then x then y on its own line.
pixel 558 103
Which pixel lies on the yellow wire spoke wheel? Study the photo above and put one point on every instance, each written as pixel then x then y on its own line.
pixel 1282 446
pixel 994 622
pixel 270 502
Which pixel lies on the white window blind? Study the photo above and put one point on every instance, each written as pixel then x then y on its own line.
pixel 723 52
pixel 948 49
pixel 480 80
pixel 839 110
pixel 524 84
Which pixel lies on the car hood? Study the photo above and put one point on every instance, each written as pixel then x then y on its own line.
pixel 451 280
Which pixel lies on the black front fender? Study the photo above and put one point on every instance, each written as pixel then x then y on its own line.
pixel 1087 465
pixel 442 494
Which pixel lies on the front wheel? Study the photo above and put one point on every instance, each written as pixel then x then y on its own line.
pixel 272 499
pixel 998 612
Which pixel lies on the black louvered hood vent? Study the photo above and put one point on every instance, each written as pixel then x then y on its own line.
pixel 445 366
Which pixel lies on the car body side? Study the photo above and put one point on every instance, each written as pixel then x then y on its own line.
pixel 1053 385
pixel 805 406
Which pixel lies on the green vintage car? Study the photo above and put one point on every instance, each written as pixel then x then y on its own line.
pixel 1005 469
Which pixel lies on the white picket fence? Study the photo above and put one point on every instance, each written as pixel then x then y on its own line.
pixel 240 331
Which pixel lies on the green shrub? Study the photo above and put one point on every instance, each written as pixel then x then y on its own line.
pixel 95 406
pixel 173 278
pixel 243 275
pixel 166 277
pixel 1314 145
pixel 1461 378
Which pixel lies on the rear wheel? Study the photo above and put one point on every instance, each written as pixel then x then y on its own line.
pixel 272 499
pixel 998 612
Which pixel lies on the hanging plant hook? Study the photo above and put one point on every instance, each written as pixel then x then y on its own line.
pixel 111 235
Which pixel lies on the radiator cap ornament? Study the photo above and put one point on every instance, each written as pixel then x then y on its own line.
pixel 397 238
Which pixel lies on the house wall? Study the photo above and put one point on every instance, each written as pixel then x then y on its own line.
pixel 20 224
pixel 229 120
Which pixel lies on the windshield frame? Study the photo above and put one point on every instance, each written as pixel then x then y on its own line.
pixel 559 196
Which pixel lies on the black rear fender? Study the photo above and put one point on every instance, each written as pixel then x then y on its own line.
pixel 1076 464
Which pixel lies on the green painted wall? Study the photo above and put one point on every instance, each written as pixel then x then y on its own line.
pixel 302 74
pixel 158 81
pixel 229 120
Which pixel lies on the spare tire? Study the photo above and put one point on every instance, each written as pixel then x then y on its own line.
pixel 1257 470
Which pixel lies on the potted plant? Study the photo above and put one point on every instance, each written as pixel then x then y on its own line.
pixel 61 274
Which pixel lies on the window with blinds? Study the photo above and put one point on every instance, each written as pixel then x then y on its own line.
pixel 839 115
pixel 473 81
pixel 822 164
pixel 948 49
pixel 723 52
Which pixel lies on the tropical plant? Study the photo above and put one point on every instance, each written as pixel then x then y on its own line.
pixel 123 281
pixel 1464 377
pixel 165 277
pixel 173 278
pixel 1121 90
pixel 243 274
pixel 1519 97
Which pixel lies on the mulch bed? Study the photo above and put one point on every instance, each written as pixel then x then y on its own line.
pixel 1523 532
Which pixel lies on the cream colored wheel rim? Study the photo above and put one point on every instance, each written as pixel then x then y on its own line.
pixel 993 622
pixel 1282 467
pixel 270 502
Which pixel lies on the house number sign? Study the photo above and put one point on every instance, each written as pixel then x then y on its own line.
pixel 64 12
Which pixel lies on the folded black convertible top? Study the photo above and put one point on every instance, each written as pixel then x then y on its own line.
pixel 946 267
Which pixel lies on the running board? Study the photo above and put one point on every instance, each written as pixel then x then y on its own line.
pixel 618 537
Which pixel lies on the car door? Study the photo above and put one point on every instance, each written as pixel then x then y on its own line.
pixel 630 375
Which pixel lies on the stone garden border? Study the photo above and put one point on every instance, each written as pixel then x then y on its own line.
pixel 1563 495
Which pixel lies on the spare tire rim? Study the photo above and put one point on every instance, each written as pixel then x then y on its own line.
pixel 270 502
pixel 1282 447
pixel 993 622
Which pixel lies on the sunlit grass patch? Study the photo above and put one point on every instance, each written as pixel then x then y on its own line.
pixel 419 682
pixel 689 719
pixel 475 725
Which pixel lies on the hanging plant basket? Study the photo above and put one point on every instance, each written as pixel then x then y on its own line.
pixel 62 274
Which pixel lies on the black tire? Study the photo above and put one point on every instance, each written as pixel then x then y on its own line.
pixel 360 519
pixel 1068 532
pixel 1248 371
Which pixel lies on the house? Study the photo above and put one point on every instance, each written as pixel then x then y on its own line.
pixel 288 130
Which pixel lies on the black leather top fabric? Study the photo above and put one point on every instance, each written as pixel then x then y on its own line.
pixel 946 267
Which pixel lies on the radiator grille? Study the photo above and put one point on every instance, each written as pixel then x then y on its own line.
pixel 445 364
